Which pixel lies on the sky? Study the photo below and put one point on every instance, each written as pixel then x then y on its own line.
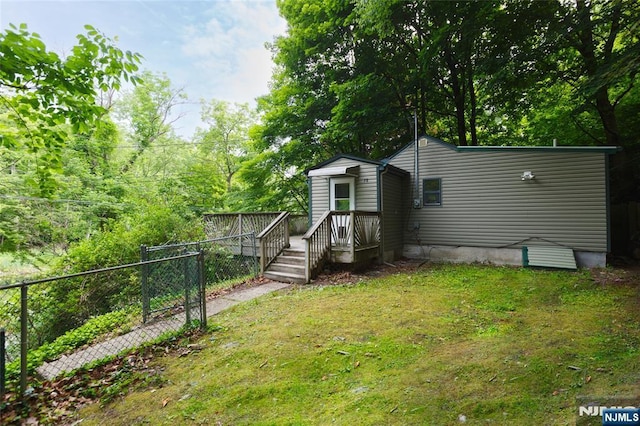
pixel 213 49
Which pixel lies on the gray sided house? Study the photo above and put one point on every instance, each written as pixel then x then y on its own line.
pixel 347 183
pixel 502 205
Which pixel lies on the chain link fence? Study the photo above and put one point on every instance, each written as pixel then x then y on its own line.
pixel 169 287
pixel 226 261
pixel 56 325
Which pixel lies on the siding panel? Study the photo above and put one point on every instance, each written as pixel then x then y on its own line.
pixel 366 187
pixel 486 204
pixel 319 197
pixel 393 212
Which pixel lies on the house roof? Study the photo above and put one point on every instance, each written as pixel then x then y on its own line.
pixel 384 164
pixel 333 171
pixel 585 149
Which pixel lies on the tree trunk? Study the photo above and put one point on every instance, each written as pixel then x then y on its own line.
pixel 587 49
pixel 607 116
pixel 458 98
pixel 474 110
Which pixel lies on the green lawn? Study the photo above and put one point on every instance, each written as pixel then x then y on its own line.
pixel 495 345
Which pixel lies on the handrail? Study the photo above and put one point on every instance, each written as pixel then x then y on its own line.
pixel 316 225
pixel 317 244
pixel 352 230
pixel 273 239
pixel 233 214
pixel 273 224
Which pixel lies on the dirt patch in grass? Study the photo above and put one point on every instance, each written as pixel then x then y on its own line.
pixel 628 275
pixel 335 274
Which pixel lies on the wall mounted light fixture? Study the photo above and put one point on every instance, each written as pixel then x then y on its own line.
pixel 528 175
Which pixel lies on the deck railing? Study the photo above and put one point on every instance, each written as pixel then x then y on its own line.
pixel 273 239
pixel 360 227
pixel 317 245
pixel 344 230
pixel 366 229
pixel 219 225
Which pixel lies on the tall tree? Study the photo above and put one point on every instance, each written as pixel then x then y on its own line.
pixel 47 97
pixel 324 93
pixel 226 139
pixel 148 112
pixel 353 74
pixel 602 51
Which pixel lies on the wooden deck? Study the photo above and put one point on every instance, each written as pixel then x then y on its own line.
pixel 296 243
pixel 338 237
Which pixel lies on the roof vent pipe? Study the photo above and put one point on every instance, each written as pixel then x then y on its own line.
pixel 555 143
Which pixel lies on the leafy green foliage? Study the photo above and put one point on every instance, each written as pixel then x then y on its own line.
pixel 47 98
pixel 147 111
pixel 66 304
pixel 603 46
pixel 351 74
pixel 270 181
pixel 225 142
pixel 85 195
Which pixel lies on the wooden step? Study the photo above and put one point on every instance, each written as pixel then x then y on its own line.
pixel 290 268
pixel 292 260
pixel 293 253
pixel 285 277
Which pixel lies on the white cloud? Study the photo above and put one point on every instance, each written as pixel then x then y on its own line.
pixel 212 49
pixel 228 48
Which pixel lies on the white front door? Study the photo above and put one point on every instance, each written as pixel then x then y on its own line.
pixel 342 198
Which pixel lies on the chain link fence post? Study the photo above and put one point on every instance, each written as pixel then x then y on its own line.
pixel 3 365
pixel 187 283
pixel 24 341
pixel 203 289
pixel 144 273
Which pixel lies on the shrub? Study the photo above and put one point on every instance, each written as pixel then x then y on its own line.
pixel 66 304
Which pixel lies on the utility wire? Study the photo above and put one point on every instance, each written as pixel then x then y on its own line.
pixel 58 200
